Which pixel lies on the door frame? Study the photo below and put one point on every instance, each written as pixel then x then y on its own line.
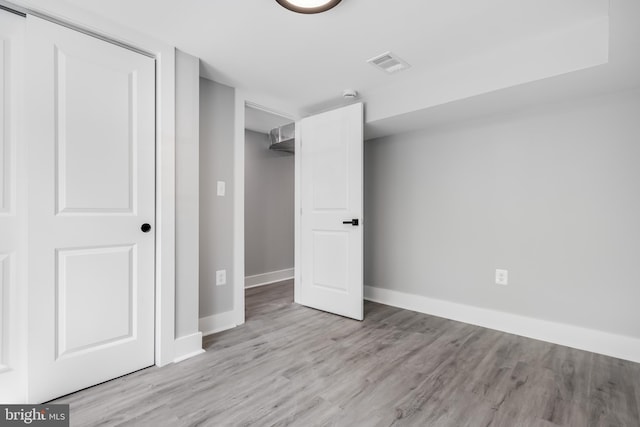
pixel 89 23
pixel 297 206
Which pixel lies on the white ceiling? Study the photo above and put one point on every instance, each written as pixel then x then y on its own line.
pixel 459 50
pixel 621 72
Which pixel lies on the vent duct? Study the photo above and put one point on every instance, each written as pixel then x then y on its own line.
pixel 389 63
pixel 283 138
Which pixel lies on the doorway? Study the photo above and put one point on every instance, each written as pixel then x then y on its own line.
pixel 269 199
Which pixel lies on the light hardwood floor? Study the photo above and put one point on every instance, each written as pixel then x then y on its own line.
pixel 291 365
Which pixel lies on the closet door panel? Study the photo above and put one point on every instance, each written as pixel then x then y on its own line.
pixel 91 188
pixel 5 283
pixel 5 139
pixel 12 213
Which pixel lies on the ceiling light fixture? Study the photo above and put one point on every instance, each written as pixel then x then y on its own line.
pixel 308 6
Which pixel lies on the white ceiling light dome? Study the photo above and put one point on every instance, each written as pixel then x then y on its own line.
pixel 308 6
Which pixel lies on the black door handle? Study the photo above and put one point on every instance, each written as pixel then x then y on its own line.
pixel 353 222
pixel 145 227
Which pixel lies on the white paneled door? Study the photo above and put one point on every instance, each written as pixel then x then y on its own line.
pixel 90 128
pixel 12 213
pixel 330 154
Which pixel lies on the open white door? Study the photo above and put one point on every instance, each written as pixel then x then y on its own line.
pixel 329 263
pixel 90 112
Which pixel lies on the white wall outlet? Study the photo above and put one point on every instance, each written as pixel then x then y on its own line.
pixel 222 188
pixel 502 277
pixel 221 277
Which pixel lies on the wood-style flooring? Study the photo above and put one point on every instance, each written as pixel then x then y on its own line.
pixel 293 366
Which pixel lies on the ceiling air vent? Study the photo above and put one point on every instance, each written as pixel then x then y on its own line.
pixel 389 63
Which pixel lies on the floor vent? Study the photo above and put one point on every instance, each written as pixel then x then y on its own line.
pixel 389 63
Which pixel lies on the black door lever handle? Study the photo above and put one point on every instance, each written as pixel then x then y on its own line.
pixel 353 222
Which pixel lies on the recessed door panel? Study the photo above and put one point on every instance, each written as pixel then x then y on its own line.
pixel 94 285
pixel 6 86
pixel 329 162
pixel 331 260
pixel 95 114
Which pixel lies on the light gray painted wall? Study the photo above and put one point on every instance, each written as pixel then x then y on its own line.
pixel 552 195
pixel 187 153
pixel 217 107
pixel 268 206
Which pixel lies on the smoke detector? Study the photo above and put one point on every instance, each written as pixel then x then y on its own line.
pixel 349 94
pixel 389 62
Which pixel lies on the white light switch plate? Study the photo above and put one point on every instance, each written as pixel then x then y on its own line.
pixel 222 188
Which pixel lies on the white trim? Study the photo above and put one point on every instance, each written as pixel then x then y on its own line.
pixel 268 278
pixel 606 343
pixel 187 347
pixel 264 109
pixel 238 209
pixel 297 214
pixel 165 151
pixel 165 207
pixel 218 322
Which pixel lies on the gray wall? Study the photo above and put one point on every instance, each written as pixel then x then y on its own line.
pixel 552 195
pixel 269 178
pixel 187 115
pixel 217 110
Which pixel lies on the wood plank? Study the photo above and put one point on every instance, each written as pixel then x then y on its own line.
pixel 293 366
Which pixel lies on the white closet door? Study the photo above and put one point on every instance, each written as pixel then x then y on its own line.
pixel 12 213
pixel 331 187
pixel 90 124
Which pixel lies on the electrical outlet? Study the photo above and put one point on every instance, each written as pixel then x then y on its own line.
pixel 502 277
pixel 221 277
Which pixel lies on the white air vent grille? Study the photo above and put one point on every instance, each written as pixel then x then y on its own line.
pixel 389 63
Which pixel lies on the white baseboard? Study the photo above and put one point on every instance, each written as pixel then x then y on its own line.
pixel 268 278
pixel 217 323
pixel 187 347
pixel 609 344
